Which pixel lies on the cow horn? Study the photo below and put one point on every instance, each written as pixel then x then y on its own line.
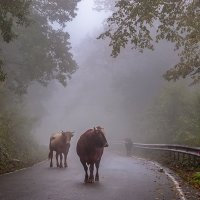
pixel 99 127
pixel 94 129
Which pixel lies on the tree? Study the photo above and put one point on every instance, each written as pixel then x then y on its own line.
pixel 141 23
pixel 39 52
pixel 42 50
pixel 2 74
pixel 174 116
pixel 104 5
pixel 12 13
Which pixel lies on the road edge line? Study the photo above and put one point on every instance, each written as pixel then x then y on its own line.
pixel 173 179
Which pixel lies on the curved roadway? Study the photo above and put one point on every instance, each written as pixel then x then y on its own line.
pixel 121 178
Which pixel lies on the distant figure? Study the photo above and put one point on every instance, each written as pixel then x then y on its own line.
pixel 129 146
pixel 60 143
pixel 90 148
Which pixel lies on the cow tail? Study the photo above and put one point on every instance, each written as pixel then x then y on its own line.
pixel 50 152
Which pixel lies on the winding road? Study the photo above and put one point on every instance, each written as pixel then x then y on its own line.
pixel 121 178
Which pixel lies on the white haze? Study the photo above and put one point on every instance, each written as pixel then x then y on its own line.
pixel 104 91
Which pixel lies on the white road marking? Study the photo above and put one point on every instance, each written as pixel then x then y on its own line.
pixel 176 183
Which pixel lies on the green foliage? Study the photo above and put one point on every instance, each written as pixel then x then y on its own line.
pixel 18 147
pixel 36 56
pixel 175 118
pixel 41 52
pixel 12 13
pixel 142 23
pixel 104 5
pixel 196 177
pixel 2 74
pixel 60 11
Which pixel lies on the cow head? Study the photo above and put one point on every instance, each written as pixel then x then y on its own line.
pixel 100 138
pixel 67 136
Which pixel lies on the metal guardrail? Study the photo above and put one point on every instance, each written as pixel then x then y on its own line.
pixel 194 151
pixel 181 153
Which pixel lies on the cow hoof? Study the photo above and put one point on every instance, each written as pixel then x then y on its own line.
pixel 61 166
pixel 66 165
pixel 86 179
pixel 90 180
pixel 96 178
pixel 51 165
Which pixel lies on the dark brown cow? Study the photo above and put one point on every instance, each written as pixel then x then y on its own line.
pixel 90 148
pixel 60 143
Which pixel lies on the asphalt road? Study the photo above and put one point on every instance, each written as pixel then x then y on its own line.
pixel 121 178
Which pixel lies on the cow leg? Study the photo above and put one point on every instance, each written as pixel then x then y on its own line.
pixel 51 157
pixel 65 155
pixel 91 178
pixel 57 159
pixel 65 159
pixel 86 170
pixel 97 170
pixel 61 157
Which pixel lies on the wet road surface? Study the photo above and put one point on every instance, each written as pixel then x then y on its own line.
pixel 121 178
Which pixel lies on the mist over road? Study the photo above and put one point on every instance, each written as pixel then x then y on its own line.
pixel 120 178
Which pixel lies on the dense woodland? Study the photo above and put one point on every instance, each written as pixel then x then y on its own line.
pixel 140 25
pixel 33 54
pixel 174 116
pixel 31 51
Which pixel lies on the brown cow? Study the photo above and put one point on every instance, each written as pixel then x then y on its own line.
pixel 60 143
pixel 90 148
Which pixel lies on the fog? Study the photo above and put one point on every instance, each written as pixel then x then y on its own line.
pixel 109 92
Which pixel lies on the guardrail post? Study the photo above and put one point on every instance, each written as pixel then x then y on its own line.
pixel 191 159
pixel 183 157
pixel 198 161
pixel 195 161
pixel 178 156
pixel 174 155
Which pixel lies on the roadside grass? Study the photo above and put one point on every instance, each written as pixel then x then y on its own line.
pixel 188 173
pixel 9 163
pixel 196 179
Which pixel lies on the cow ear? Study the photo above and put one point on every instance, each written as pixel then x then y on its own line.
pixel 63 133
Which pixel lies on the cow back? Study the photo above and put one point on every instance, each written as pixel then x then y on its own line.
pixel 56 140
pixel 60 142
